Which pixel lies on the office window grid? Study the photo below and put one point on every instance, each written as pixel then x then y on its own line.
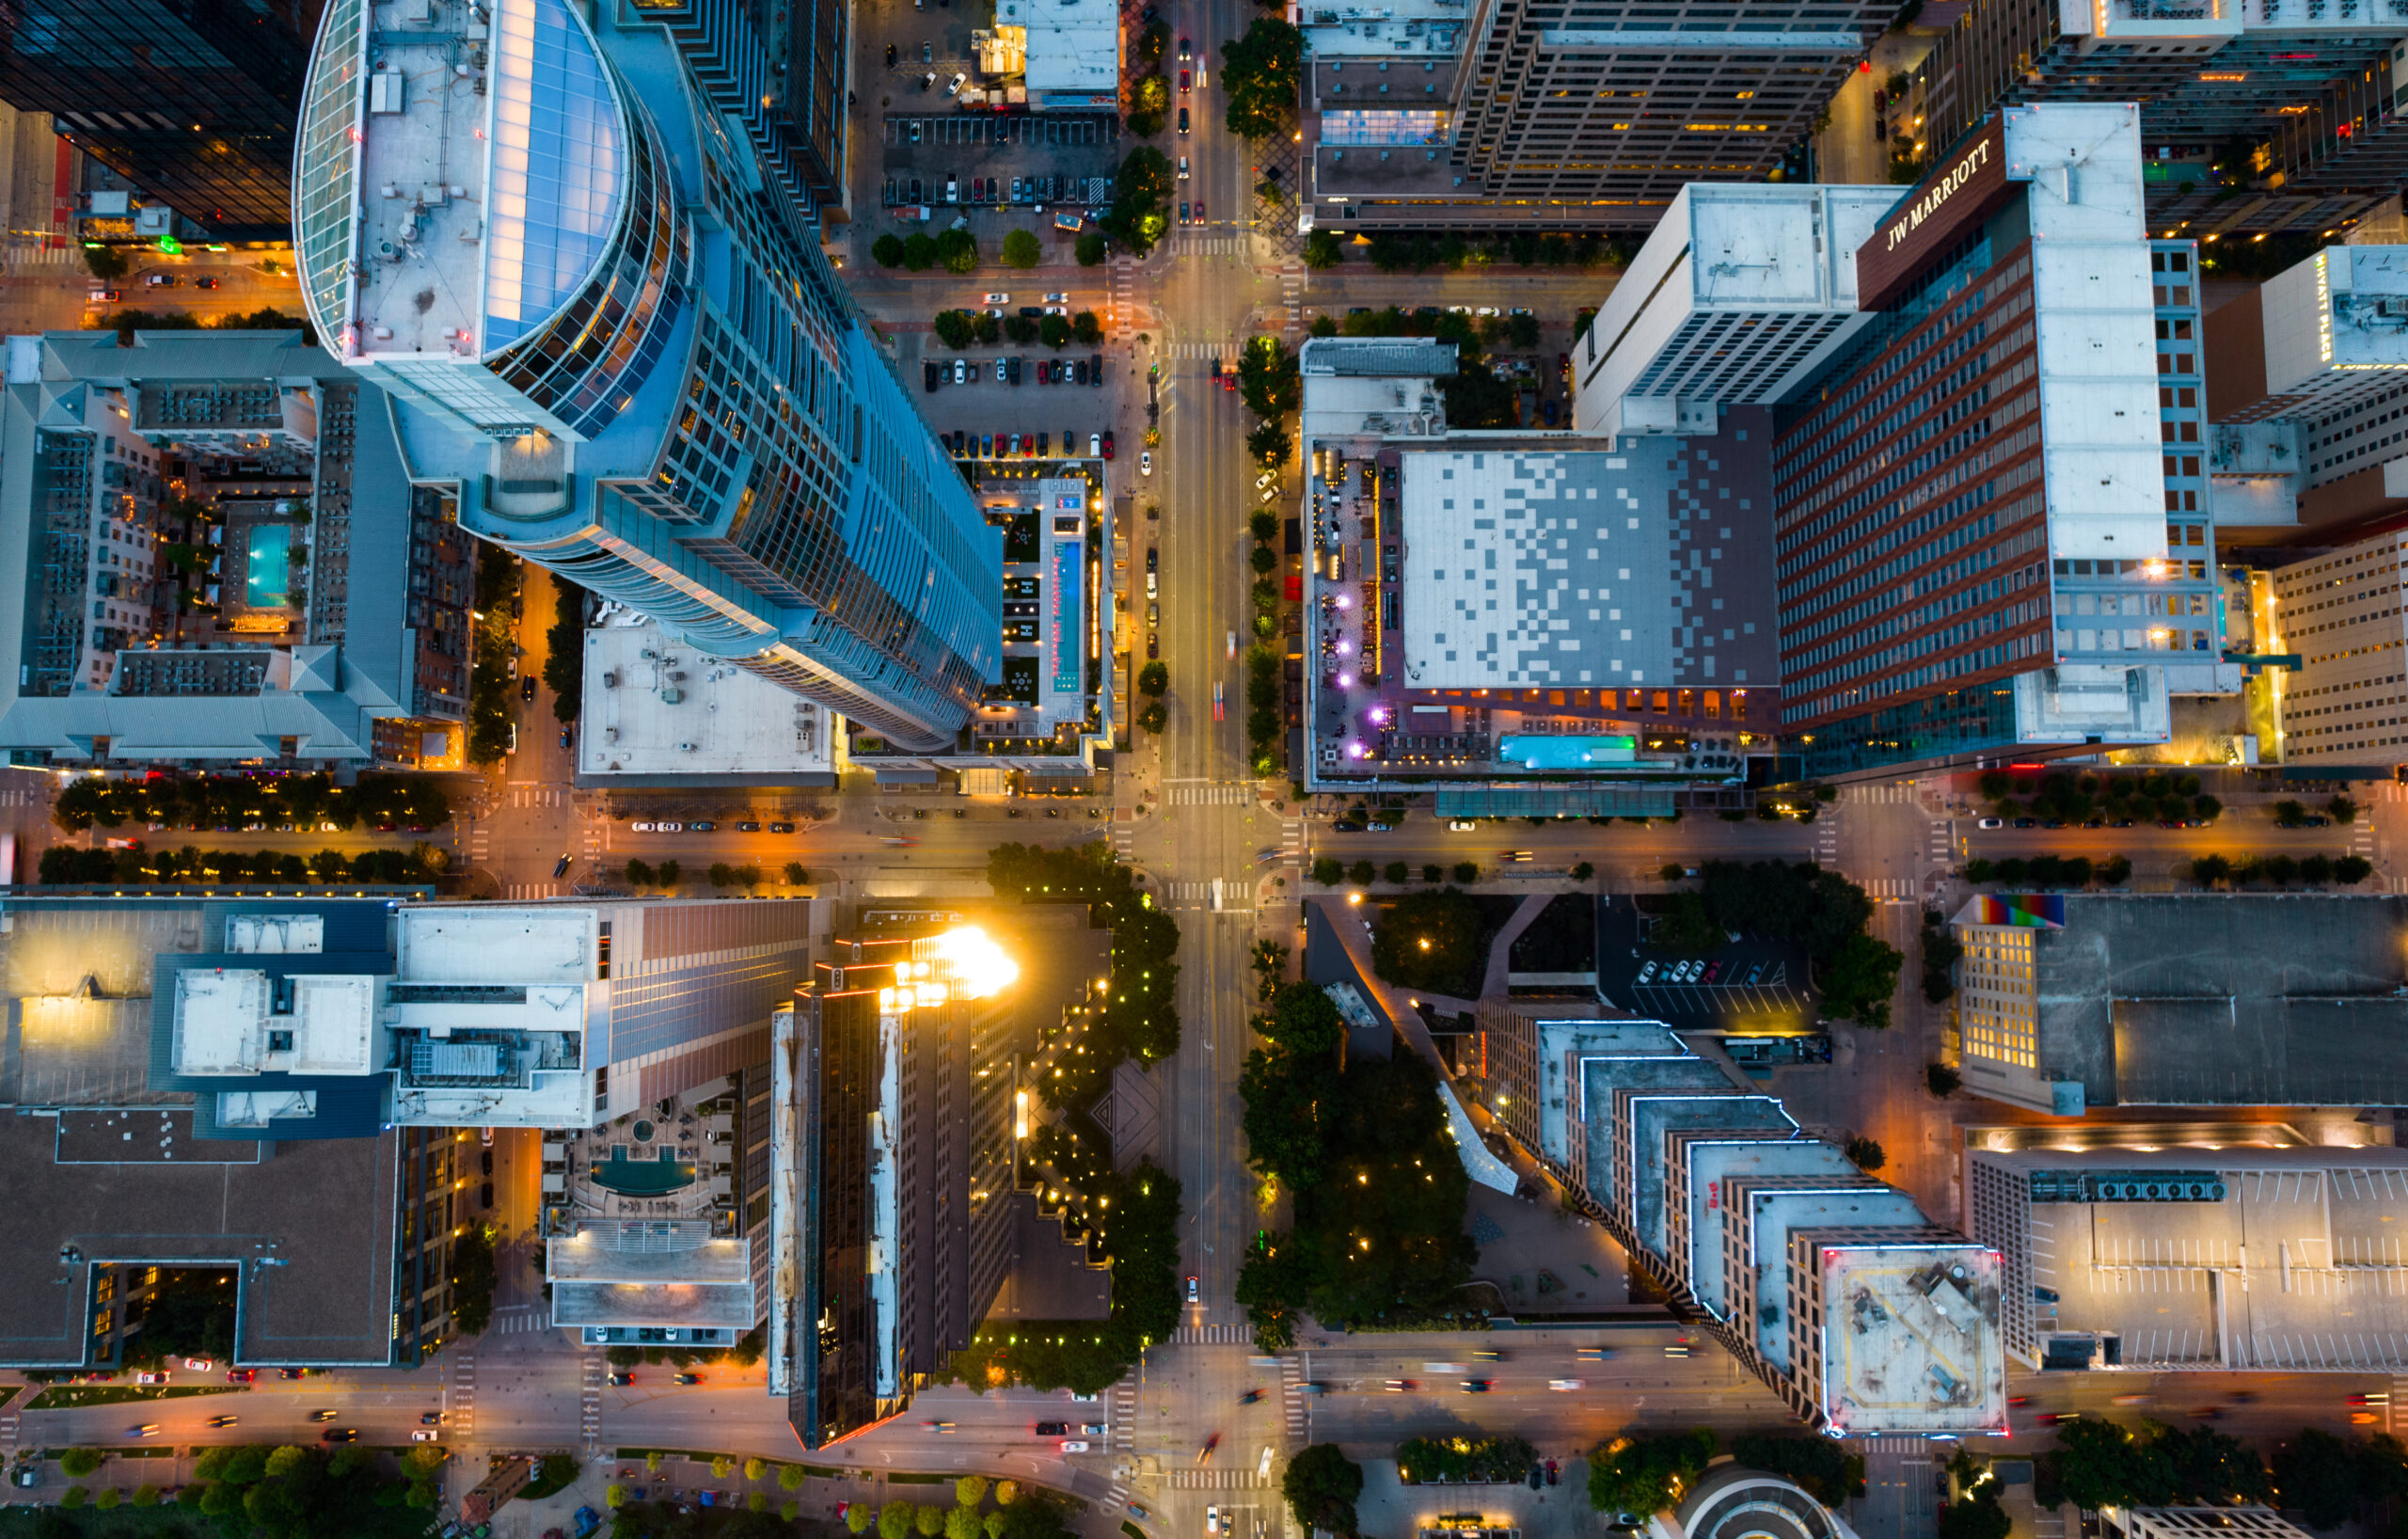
pixel 1904 530
pixel 2346 615
pixel 1733 357
pixel 1998 1002
pixel 1551 108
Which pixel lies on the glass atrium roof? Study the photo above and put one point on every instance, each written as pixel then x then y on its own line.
pixel 559 164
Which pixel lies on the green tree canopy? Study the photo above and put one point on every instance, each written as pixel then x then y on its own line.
pixel 1432 940
pixel 1022 249
pixel 1268 379
pixel 957 249
pixel 1321 1484
pixel 1639 1477
pixel 1261 73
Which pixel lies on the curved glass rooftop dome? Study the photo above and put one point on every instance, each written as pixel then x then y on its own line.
pixel 458 178
pixel 559 167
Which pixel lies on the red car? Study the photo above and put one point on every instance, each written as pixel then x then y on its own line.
pixel 241 1375
pixel 1107 446
pixel 1182 83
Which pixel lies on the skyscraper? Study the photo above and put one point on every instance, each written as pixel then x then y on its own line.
pixel 592 278
pixel 2291 100
pixel 892 1209
pixel 1534 112
pixel 192 101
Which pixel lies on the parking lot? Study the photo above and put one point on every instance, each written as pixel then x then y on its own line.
pixel 1071 414
pixel 1005 130
pixel 1740 987
pixel 1737 991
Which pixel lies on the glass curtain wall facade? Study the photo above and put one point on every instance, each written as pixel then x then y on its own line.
pixel 192 101
pixel 644 373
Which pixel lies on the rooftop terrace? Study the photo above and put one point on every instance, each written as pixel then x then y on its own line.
pixel 488 159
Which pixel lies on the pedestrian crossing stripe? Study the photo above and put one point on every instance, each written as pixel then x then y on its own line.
pixel 1214 1480
pixel 1209 796
pixel 1210 1334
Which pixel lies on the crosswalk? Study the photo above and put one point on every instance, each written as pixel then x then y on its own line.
pixel 1208 245
pixel 19 796
pixel 589 1400
pixel 464 1394
pixel 29 255
pixel 1118 305
pixel 538 796
pixel 1291 290
pixel 1124 1421
pixel 1236 896
pixel 519 1320
pixel 1827 839
pixel 1214 1480
pixel 1208 795
pixel 476 844
pixel 1942 846
pixel 1210 1334
pixel 1293 1401
pixel 9 1428
pixel 1197 352
pixel 1892 791
pixel 521 892
pixel 1124 839
pixel 1889 889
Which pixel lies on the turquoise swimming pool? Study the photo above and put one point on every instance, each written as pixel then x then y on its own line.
pixel 268 583
pixel 644 1178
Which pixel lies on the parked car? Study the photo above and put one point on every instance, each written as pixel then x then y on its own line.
pixel 781 828
pixel 686 1378
pixel 340 1435
pixel 424 1435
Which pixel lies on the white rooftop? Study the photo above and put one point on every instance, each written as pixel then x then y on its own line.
pixel 223 1023
pixel 336 1023
pixel 480 210
pixel 483 943
pixel 1910 1340
pixel 654 707
pixel 2344 309
pixel 1530 568
pixel 219 1021
pixel 1073 45
pixel 2094 325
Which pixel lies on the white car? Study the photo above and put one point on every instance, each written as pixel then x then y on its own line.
pixel 1212 1520
pixel 996 299
pixel 1462 825
pixel 1266 478
pixel 1058 298
pixel 1486 309
pixel 1233 644
pixel 1993 823
pixel 1095 446
pixel 1263 1465
pixel 1646 974
pixel 425 1435
pixel 199 1365
pixel 955 88
pixel 999 370
pixel 1182 168
pixel 962 371
pixel 1563 1387
pixel 1074 1446
pixel 1145 462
